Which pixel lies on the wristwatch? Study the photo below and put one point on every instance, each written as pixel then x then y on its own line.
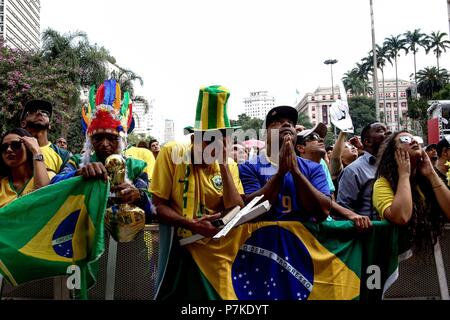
pixel 38 157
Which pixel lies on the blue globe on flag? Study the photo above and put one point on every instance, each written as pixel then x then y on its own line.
pixel 273 264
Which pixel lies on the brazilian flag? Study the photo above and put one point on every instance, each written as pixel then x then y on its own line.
pixel 284 260
pixel 48 230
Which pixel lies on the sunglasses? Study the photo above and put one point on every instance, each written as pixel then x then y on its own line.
pixel 312 137
pixel 406 139
pixel 41 111
pixel 15 146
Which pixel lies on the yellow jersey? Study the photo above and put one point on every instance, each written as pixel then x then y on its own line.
pixel 383 195
pixel 193 191
pixel 55 158
pixel 144 155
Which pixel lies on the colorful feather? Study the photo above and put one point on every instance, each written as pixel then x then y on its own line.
pixel 99 97
pixel 118 95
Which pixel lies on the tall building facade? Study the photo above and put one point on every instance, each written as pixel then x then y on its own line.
pixel 258 104
pixel 388 103
pixel 142 115
pixel 317 105
pixel 169 131
pixel 20 24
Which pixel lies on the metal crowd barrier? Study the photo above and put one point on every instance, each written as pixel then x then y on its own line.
pixel 127 271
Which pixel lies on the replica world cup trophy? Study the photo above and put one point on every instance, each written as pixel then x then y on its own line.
pixel 123 221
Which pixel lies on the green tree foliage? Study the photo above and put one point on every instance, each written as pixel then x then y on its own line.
pixel 431 80
pixel 417 110
pixel 443 94
pixel 304 120
pixel 246 123
pixel 438 44
pixel 26 76
pixel 88 61
pixel 362 111
pixel 66 64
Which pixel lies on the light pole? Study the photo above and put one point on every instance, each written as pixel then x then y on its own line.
pixel 331 62
pixel 375 67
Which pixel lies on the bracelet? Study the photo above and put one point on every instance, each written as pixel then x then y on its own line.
pixel 438 186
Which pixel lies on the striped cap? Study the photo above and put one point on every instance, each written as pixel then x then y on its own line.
pixel 211 110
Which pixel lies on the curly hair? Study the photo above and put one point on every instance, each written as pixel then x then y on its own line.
pixel 427 219
pixel 4 170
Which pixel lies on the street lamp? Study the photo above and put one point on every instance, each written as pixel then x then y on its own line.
pixel 331 62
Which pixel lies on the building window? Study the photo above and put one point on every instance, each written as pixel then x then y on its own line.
pixel 403 104
pixel 313 108
pixel 388 105
pixel 325 114
pixel 313 98
pixel 324 98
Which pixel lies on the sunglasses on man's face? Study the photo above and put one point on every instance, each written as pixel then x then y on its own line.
pixel 406 139
pixel 41 111
pixel 312 137
pixel 15 146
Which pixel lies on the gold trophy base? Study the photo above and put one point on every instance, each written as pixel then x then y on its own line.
pixel 124 221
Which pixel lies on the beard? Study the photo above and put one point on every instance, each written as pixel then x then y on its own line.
pixel 38 126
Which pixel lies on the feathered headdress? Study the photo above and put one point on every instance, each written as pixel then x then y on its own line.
pixel 106 112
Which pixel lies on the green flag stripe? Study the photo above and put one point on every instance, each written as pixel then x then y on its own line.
pixel 212 111
pixel 198 115
pixel 225 112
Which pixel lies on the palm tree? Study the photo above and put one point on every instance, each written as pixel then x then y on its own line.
pixel 431 80
pixel 126 79
pixel 354 83
pixel 394 45
pixel 438 44
pixel 73 49
pixel 382 58
pixel 414 40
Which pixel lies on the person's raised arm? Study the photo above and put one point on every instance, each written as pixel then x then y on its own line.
pixel 400 212
pixel 231 197
pixel 336 155
pixel 272 187
pixel 41 178
pixel 440 190
pixel 312 200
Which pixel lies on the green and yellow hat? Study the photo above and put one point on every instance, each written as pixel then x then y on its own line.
pixel 211 110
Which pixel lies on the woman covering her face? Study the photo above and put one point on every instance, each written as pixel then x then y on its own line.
pixel 22 166
pixel 409 192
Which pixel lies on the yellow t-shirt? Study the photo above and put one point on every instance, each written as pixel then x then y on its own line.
pixel 55 158
pixel 192 191
pixel 144 155
pixel 383 195
pixel 9 194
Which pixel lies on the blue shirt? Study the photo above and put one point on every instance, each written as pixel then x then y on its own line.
pixel 255 174
pixel 328 174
